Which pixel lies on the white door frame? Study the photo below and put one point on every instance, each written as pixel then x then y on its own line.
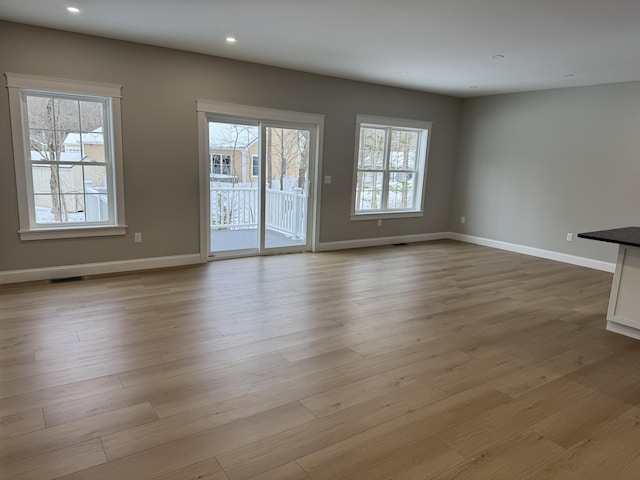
pixel 313 122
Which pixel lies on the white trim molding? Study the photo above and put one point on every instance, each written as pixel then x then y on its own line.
pixel 47 273
pixel 109 96
pixel 535 252
pixel 214 111
pixel 258 113
pixel 388 125
pixel 35 82
pixel 28 275
pixel 376 242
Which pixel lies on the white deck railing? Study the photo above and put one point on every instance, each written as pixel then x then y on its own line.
pixel 236 208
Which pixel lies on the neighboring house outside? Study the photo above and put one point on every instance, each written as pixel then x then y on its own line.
pixel 75 180
pixel 229 158
pixel 234 156
pixel 91 143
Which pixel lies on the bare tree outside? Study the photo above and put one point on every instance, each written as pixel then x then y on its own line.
pixel 290 149
pixel 235 202
pixel 303 152
pixel 51 119
pixel 370 165
pixel 404 145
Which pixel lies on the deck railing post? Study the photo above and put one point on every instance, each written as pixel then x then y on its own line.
pixel 297 196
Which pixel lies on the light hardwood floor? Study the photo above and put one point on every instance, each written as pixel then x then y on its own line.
pixel 439 360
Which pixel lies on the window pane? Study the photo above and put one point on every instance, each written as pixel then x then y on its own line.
pixel 66 116
pixel 96 207
pixel 45 212
pixel 93 146
pixel 369 191
pixel 41 175
pixel 71 184
pixel 42 145
pixel 39 112
pixel 404 150
pixel 95 177
pixel 73 207
pixel 371 148
pixel 401 190
pixel 91 115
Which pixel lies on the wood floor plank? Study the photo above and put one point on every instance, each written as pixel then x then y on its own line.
pixel 19 423
pixel 42 441
pixel 57 463
pixel 221 438
pixel 515 457
pixel 607 452
pixel 290 471
pixel 183 391
pixel 42 397
pixel 430 360
pixel 175 455
pixel 377 364
pixel 413 462
pixel 419 373
pixel 474 435
pixel 575 422
pixel 397 413
pixel 206 470
pixel 198 420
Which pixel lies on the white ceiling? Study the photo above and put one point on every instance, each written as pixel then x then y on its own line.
pixel 443 46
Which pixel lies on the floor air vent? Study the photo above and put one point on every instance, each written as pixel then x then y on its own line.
pixel 66 279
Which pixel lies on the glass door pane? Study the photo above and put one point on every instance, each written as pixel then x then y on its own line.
pixel 287 187
pixel 234 212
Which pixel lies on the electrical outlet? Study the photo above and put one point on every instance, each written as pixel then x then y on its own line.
pixel 327 179
pixel 137 237
pixel 463 219
pixel 379 222
pixel 569 237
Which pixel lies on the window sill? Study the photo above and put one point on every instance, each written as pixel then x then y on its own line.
pixel 383 215
pixel 73 232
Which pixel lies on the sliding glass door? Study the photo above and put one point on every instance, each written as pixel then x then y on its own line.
pixel 234 197
pixel 287 187
pixel 258 186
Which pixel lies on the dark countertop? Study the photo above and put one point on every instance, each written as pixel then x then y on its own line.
pixel 624 236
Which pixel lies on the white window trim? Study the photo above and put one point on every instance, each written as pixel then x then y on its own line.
pixel 386 122
pixel 16 83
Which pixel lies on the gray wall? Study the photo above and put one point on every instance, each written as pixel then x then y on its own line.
pixel 534 166
pixel 160 140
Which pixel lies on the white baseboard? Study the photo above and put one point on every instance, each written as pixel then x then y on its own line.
pixel 33 274
pixel 376 242
pixel 535 252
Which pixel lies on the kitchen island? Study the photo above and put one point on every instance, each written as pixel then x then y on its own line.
pixel 623 314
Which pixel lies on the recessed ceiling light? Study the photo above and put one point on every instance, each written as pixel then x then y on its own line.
pixel 498 56
pixel 231 39
pixel 568 75
pixel 73 9
pixel 404 74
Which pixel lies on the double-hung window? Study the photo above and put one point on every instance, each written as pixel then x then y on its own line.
pixel 220 164
pixel 67 153
pixel 390 167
